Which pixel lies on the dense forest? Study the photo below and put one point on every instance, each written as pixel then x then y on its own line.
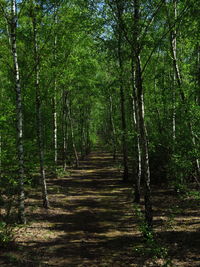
pixel 80 78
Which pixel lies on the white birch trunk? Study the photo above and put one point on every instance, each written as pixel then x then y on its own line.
pixel 72 133
pixel 122 97
pixel 19 113
pixel 138 173
pixel 55 126
pixel 39 115
pixel 55 129
pixel 173 41
pixel 141 122
pixel 65 132
pixel 198 75
pixel 174 112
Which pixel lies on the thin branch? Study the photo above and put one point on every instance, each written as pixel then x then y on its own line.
pixel 151 20
pixel 163 36
pixel 120 23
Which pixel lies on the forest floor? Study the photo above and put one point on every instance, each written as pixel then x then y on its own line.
pixel 92 222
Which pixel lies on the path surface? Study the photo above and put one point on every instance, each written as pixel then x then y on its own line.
pixel 92 223
pixel 91 219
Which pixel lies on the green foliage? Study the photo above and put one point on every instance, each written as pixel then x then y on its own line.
pixel 173 212
pixel 62 173
pixel 152 247
pixel 6 234
pixel 79 71
pixel 9 191
pixel 194 194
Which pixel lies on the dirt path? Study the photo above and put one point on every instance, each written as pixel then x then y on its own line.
pixel 91 223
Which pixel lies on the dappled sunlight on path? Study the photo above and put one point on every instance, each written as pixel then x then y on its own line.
pixel 90 222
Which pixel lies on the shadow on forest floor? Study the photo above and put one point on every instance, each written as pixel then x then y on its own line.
pixel 91 223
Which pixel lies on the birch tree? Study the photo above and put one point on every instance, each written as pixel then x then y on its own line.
pixel 178 78
pixel 38 108
pixel 19 108
pixel 142 131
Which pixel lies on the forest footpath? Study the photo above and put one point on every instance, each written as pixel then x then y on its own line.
pixel 92 222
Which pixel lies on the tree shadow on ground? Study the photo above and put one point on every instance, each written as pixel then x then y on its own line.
pixel 91 222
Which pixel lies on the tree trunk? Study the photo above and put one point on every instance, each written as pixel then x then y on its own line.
pixel 173 43
pixel 144 146
pixel 55 127
pixel 122 97
pixel 138 172
pixel 174 112
pixel 140 111
pixel 113 128
pixel 64 130
pixel 81 132
pixel 198 75
pixel 19 113
pixel 72 133
pixel 39 115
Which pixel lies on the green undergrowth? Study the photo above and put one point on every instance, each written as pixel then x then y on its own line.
pixel 6 234
pixel 152 247
pixel 63 173
pixel 194 194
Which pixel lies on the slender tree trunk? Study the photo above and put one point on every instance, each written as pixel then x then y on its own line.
pixel 198 103
pixel 176 74
pixel 19 113
pixel 173 43
pixel 138 172
pixel 81 133
pixel 64 129
pixel 144 146
pixel 196 159
pixel 198 75
pixel 174 111
pixel 65 139
pixel 72 133
pixel 85 134
pixel 39 116
pixel 55 129
pixel 141 122
pixel 55 126
pixel 0 157
pixel 156 107
pixel 113 128
pixel 122 97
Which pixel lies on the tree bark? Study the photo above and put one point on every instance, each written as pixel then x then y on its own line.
pixel 144 146
pixel 112 127
pixel 72 132
pixel 141 122
pixel 122 97
pixel 55 126
pixel 173 43
pixel 19 113
pixel 55 130
pixel 138 173
pixel 198 75
pixel 39 115
pixel 64 129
